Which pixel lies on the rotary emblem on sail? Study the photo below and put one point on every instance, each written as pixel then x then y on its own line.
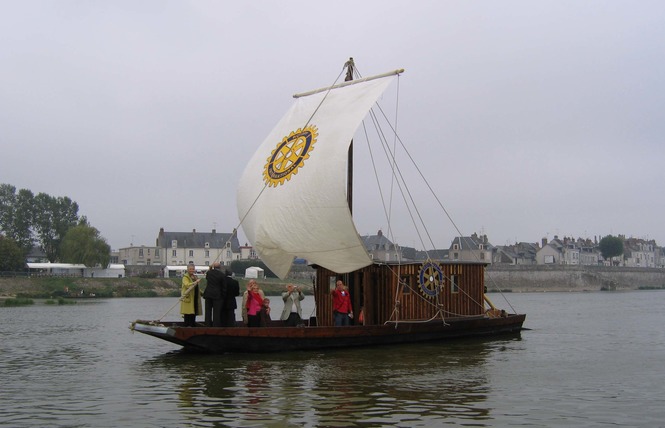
pixel 289 156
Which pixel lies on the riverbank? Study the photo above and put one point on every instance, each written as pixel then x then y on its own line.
pixel 538 278
pixel 516 279
pixel 77 287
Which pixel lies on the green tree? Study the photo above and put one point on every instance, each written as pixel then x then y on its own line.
pixel 7 202
pixel 12 257
pixel 53 218
pixel 83 244
pixel 16 213
pixel 611 246
pixel 23 216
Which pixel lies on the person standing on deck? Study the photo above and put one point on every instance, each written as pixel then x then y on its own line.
pixel 230 304
pixel 214 296
pixel 190 297
pixel 292 313
pixel 252 301
pixel 342 310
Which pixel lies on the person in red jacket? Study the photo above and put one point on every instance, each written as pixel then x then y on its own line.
pixel 342 310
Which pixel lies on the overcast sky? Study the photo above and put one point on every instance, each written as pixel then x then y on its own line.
pixel 530 118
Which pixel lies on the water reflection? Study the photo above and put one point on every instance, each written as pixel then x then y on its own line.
pixel 404 385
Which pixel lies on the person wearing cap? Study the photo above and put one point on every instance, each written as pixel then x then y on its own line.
pixel 292 312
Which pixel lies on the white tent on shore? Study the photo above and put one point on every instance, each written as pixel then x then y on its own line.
pixel 254 272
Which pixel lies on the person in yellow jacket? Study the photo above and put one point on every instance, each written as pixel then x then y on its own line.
pixel 190 297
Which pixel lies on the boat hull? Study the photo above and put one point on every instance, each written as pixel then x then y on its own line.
pixel 279 339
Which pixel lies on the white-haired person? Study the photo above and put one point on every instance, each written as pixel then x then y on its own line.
pixel 292 312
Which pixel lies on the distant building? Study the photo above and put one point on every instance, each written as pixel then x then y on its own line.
pixel 472 248
pixel 640 253
pixel 551 253
pixel 522 253
pixel 439 255
pixel 380 248
pixel 36 255
pixel 200 248
pixel 140 256
pixel 568 252
pixel 247 252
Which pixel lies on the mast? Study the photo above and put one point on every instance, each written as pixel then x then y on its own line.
pixel 350 67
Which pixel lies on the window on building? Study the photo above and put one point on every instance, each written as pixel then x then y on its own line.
pixel 174 253
pixel 156 252
pixel 207 245
pixel 207 253
pixel 454 283
pixel 174 243
pixel 191 253
pixel 482 255
pixel 455 256
pixel 140 252
pixel 455 247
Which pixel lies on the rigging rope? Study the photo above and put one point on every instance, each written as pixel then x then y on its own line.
pixel 400 181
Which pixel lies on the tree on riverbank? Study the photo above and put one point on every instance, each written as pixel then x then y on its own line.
pixel 53 218
pixel 11 256
pixel 83 244
pixel 43 219
pixel 610 246
pixel 16 214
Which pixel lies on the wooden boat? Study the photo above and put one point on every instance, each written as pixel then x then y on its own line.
pixel 294 201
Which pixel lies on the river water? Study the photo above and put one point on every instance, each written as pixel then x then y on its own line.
pixel 588 360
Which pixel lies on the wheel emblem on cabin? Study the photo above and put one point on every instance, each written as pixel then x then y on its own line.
pixel 430 279
pixel 289 156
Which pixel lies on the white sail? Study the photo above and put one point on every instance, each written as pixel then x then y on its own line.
pixel 292 195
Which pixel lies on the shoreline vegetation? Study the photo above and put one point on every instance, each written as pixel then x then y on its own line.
pixel 60 289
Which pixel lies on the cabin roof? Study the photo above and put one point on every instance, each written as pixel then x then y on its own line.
pixel 443 262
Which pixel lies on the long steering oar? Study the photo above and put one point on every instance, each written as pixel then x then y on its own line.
pixel 180 299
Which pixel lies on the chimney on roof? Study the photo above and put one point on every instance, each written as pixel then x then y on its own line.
pixel 544 242
pixel 214 231
pixel 193 230
pixel 379 233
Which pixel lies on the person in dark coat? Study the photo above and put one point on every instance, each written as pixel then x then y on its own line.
pixel 214 295
pixel 230 304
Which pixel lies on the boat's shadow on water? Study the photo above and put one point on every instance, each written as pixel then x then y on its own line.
pixel 412 384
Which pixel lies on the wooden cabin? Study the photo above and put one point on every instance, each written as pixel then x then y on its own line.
pixel 423 288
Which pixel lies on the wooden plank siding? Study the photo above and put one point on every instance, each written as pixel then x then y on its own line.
pixel 374 289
